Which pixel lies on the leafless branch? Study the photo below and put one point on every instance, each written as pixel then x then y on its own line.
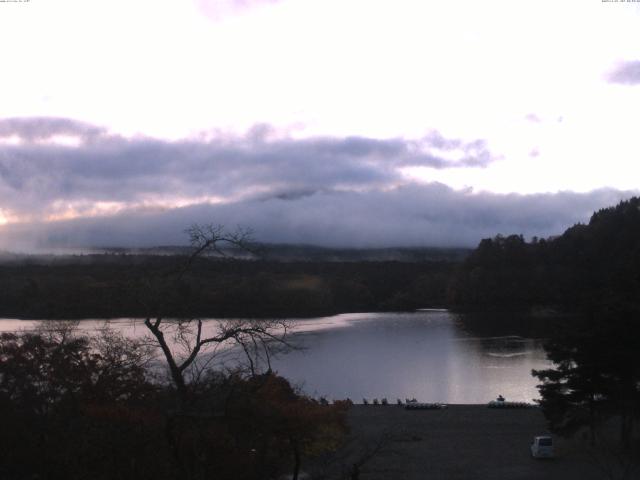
pixel 254 338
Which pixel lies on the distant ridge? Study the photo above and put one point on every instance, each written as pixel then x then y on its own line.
pixel 290 253
pixel 283 253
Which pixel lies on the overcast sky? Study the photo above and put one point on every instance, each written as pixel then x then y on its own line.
pixel 351 123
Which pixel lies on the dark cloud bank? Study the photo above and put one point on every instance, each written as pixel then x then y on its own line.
pixel 413 215
pixel 106 168
pixel 323 191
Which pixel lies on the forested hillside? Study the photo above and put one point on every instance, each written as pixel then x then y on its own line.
pixel 106 286
pixel 587 264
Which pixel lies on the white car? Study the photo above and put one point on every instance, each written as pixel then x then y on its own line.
pixel 542 447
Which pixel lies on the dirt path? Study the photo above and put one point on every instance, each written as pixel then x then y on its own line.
pixel 461 442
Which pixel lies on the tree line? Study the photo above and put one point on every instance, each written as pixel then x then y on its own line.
pixel 586 265
pixel 593 272
pixel 109 286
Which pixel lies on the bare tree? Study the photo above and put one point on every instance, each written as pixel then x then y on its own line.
pixel 186 343
pixel 183 342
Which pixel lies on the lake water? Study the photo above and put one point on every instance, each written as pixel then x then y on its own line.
pixel 427 355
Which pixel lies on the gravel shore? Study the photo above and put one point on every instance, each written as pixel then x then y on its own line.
pixel 461 442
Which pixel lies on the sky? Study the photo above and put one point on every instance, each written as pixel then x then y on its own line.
pixel 338 123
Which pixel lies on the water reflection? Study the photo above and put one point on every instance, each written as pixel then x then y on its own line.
pixel 424 355
pixel 428 355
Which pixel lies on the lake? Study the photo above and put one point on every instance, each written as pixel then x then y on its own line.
pixel 429 355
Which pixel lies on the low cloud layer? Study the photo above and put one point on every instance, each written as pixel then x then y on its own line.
pixel 412 215
pixel 627 73
pixel 43 128
pixel 43 177
pixel 69 184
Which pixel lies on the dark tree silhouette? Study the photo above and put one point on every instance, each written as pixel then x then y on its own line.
pixel 596 374
pixel 183 340
pixel 583 267
pixel 72 406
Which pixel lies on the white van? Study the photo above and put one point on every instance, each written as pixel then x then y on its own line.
pixel 542 447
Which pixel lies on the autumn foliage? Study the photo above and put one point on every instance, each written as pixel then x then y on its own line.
pixel 77 407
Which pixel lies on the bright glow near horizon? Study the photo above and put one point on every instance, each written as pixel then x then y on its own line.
pixel 532 79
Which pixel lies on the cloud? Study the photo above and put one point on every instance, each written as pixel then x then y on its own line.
pixel 109 190
pixel 626 73
pixel 217 9
pixel 411 215
pixel 104 172
pixel 32 129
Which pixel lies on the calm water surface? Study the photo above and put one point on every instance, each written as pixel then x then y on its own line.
pixel 427 355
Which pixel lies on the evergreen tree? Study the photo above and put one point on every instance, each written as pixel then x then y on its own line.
pixel 596 374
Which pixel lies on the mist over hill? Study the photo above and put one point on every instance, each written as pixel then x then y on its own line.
pixel 415 215
pixel 256 251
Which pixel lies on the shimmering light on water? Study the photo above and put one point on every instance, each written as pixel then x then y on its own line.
pixel 426 355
